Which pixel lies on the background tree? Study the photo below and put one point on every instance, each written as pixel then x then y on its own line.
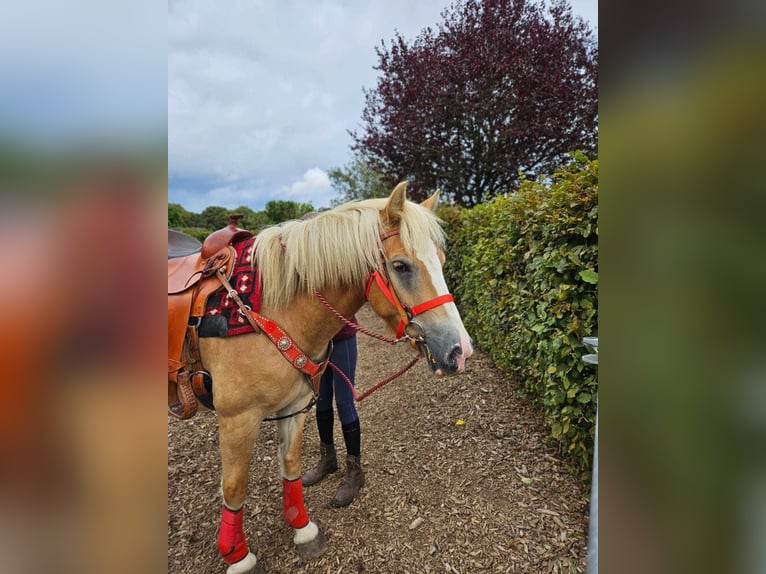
pixel 213 217
pixel 279 210
pixel 503 86
pixel 357 180
pixel 253 220
pixel 179 217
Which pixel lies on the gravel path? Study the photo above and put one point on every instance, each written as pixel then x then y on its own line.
pixel 482 496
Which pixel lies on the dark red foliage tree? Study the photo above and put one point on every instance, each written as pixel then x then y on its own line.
pixel 503 87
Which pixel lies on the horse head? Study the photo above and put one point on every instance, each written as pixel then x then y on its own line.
pixel 408 289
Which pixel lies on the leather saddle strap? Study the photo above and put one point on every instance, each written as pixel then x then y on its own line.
pixel 187 383
pixel 243 309
pixel 184 384
pixel 194 363
pixel 182 402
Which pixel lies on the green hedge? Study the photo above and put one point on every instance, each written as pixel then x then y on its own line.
pixel 524 270
pixel 198 232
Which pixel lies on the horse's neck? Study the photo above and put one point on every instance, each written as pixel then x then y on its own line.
pixel 311 324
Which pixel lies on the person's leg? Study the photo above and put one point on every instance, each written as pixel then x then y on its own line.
pixel 345 357
pixel 328 461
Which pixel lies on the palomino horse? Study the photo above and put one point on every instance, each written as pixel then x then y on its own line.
pixel 385 251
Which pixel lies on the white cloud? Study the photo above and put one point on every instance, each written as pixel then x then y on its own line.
pixel 313 188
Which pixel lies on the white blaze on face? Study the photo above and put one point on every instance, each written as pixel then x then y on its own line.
pixel 434 268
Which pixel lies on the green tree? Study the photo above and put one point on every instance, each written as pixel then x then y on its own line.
pixel 213 217
pixel 279 210
pixel 253 220
pixel 179 217
pixel 357 180
pixel 499 87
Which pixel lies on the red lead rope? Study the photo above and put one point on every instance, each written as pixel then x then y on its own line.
pixel 369 333
pixel 406 314
pixel 377 386
pixel 355 326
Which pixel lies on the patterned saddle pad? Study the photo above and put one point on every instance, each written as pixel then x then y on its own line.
pixel 222 318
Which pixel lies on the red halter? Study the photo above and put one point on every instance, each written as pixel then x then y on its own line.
pixel 405 313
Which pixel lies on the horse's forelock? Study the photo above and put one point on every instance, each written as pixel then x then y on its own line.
pixel 418 226
pixel 420 229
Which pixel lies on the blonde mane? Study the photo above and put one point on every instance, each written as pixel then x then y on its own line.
pixel 337 248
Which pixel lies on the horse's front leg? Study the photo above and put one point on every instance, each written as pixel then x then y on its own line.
pixel 309 540
pixel 237 436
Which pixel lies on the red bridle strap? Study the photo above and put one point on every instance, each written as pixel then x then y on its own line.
pixel 422 308
pixel 405 313
pixel 375 277
pixel 431 303
pixel 389 233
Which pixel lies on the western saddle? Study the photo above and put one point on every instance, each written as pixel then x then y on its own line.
pixel 192 269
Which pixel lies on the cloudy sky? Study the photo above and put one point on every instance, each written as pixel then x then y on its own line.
pixel 261 93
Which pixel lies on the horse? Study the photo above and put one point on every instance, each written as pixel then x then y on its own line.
pixel 387 252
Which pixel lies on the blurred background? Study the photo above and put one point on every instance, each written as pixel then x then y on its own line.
pixel 682 361
pixel 83 170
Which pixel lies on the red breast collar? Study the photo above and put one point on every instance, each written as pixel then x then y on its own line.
pixel 290 350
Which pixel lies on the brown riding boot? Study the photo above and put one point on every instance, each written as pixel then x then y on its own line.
pixel 352 483
pixel 328 463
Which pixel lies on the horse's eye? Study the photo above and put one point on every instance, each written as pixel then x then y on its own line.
pixel 400 266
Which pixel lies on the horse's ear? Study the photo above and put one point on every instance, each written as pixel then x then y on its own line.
pixel 432 201
pixel 395 203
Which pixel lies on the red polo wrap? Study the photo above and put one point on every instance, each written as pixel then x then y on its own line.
pixel 231 538
pixel 293 508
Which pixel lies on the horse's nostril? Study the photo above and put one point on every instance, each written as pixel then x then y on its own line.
pixel 454 353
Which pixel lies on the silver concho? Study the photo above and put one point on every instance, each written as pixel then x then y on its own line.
pixel 283 343
pixel 300 361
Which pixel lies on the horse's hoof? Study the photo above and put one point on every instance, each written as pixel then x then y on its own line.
pixel 248 565
pixel 312 548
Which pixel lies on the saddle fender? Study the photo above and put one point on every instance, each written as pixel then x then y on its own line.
pixel 191 280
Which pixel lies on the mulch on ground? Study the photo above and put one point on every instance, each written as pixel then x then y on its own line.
pixel 458 480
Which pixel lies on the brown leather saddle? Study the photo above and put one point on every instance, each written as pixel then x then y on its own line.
pixel 192 268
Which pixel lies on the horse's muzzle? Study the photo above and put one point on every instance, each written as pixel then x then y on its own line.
pixel 445 348
pixel 445 360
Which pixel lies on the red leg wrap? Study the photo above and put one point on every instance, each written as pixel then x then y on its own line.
pixel 231 537
pixel 292 503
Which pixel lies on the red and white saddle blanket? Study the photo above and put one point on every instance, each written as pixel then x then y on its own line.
pixel 222 317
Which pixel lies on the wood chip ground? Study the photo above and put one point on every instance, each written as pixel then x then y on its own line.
pixel 481 495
